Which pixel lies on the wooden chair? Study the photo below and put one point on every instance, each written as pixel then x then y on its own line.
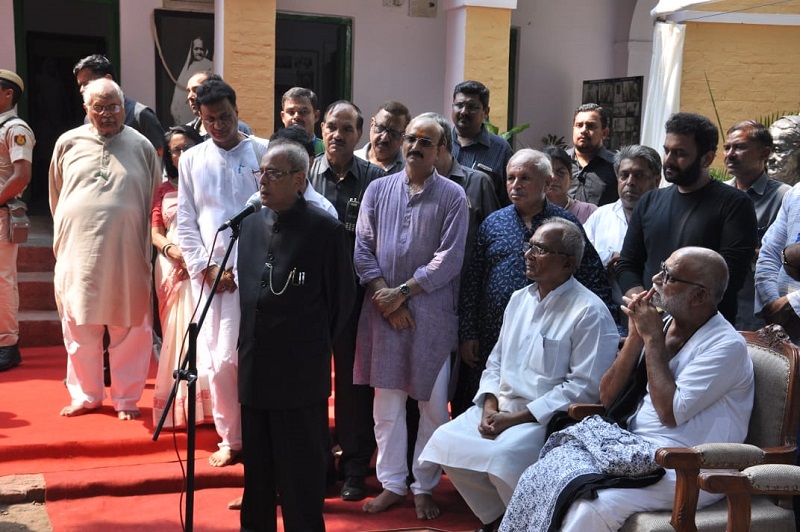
pixel 771 439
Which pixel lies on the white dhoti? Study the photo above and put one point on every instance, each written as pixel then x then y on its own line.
pixel 129 353
pixel 612 507
pixel 484 471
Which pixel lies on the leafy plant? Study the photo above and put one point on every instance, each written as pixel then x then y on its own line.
pixel 721 174
pixel 506 134
pixel 552 140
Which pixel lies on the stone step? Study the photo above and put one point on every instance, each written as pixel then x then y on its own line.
pixel 39 328
pixel 36 291
pixel 35 258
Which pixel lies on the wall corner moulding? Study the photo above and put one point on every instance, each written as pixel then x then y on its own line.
pixel 448 5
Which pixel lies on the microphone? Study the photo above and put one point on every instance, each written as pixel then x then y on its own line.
pixel 253 205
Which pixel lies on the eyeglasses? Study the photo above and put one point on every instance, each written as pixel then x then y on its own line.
pixel 425 142
pixel 393 133
pixel 100 109
pixel 539 251
pixel 222 121
pixel 272 175
pixel 466 106
pixel 177 150
pixel 667 277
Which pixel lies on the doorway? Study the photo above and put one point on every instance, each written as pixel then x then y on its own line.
pixel 46 54
pixel 316 53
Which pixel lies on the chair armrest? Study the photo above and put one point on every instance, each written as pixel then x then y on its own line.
pixel 724 456
pixel 687 462
pixel 579 411
pixel 768 479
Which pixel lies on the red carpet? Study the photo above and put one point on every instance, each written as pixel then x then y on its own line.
pixel 104 474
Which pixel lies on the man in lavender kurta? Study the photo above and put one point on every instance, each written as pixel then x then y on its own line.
pixel 410 240
pixel 102 179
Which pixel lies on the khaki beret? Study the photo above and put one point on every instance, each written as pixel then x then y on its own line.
pixel 7 75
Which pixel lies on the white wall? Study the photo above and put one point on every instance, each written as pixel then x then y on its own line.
pixel 137 50
pixel 395 57
pixel 562 44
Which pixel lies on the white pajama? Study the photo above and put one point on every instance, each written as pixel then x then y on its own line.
pixel 389 411
pixel 129 353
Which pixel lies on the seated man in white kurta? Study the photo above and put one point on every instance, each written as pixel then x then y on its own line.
pixel 557 340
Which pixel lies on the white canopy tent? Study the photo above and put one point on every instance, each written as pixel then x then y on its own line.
pixel 664 82
pixel 667 7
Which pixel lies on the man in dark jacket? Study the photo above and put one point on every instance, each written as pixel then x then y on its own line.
pixel 297 292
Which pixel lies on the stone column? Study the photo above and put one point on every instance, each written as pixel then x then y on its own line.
pixel 245 56
pixel 478 33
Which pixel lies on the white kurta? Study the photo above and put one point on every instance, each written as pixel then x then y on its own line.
pixel 550 353
pixel 214 185
pixel 101 191
pixel 606 229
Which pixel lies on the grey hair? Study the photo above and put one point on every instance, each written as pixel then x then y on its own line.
pixel 539 160
pixel 444 124
pixel 572 239
pixel 638 151
pixel 100 85
pixel 295 153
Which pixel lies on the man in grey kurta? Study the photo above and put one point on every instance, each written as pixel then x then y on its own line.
pixel 410 240
pixel 103 176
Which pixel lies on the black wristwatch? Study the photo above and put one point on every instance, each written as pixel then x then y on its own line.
pixel 405 290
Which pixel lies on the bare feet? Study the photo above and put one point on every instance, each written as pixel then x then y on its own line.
pixel 224 457
pixel 76 410
pixel 383 502
pixel 235 504
pixel 426 509
pixel 127 415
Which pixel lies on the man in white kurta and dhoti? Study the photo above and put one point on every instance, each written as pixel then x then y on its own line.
pixel 557 340
pixel 216 180
pixel 103 176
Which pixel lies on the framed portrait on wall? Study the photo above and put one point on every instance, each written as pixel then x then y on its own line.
pixel 622 98
pixel 184 46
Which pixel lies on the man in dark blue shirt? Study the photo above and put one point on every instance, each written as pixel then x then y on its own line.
pixel 473 146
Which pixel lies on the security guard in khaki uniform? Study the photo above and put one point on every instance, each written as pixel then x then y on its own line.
pixel 16 151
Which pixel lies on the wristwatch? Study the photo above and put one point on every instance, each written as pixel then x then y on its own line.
pixel 405 290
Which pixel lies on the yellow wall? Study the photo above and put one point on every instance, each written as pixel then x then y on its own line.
pixel 753 71
pixel 250 60
pixel 486 53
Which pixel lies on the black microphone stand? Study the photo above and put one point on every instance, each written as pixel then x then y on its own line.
pixel 188 373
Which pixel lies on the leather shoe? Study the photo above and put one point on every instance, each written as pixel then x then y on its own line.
pixel 9 357
pixel 354 489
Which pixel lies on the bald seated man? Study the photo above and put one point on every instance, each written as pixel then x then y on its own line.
pixel 698 372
